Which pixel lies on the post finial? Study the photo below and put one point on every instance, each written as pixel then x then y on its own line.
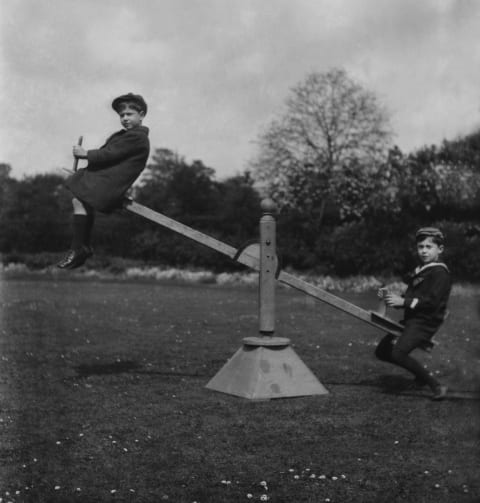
pixel 268 205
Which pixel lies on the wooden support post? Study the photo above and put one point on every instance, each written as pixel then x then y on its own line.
pixel 268 264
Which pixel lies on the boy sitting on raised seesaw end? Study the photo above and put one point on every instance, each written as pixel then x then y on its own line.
pixel 425 305
pixel 110 172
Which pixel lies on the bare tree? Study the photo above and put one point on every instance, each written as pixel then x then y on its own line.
pixel 332 127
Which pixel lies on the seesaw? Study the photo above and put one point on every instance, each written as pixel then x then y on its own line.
pixel 250 257
pixel 266 366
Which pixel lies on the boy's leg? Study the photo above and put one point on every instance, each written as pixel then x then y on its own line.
pixel 412 338
pixel 384 349
pixel 383 352
pixel 83 219
pixel 403 359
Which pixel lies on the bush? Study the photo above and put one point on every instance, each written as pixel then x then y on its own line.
pixel 362 248
pixel 33 261
pixel 462 252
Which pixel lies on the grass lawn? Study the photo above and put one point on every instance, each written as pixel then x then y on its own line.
pixel 103 399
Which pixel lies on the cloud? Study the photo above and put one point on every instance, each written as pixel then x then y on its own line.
pixel 214 72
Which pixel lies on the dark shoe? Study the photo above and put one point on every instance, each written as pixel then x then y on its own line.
pixel 439 393
pixel 75 258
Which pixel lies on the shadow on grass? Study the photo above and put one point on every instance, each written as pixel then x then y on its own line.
pixel 395 385
pixel 389 384
pixel 86 370
pixel 123 367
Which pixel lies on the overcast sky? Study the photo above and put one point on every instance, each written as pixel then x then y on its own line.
pixel 214 72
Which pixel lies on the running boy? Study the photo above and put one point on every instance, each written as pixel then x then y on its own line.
pixel 425 305
pixel 110 172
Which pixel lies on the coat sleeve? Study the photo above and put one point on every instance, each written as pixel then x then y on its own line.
pixel 435 289
pixel 128 145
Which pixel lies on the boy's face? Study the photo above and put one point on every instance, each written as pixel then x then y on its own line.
pixel 428 251
pixel 130 118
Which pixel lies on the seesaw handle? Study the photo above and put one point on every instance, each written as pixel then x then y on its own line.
pixel 75 160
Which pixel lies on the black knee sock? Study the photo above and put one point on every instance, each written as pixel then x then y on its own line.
pixel 82 230
pixel 384 349
pixel 89 228
pixel 405 361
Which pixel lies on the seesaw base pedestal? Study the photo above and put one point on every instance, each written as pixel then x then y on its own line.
pixel 266 368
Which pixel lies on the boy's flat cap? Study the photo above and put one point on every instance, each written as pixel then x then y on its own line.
pixel 132 98
pixel 430 232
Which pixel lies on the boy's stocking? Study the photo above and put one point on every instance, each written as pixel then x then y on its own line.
pixel 384 349
pixel 404 360
pixel 82 230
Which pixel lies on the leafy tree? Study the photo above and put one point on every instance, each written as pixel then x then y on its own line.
pixel 5 182
pixel 462 150
pixel 177 188
pixel 427 184
pixel 327 146
pixel 463 156
pixel 33 215
pixel 186 192
pixel 152 188
pixel 5 170
pixel 238 212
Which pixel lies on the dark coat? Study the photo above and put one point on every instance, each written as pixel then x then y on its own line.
pixel 111 169
pixel 427 294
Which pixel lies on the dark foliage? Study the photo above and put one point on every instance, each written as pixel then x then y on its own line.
pixel 34 214
pixel 35 217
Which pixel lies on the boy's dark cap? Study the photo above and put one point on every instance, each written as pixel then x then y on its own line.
pixel 430 232
pixel 130 98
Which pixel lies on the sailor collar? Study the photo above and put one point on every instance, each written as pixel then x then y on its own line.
pixel 422 268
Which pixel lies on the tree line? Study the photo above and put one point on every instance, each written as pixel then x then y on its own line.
pixel 348 200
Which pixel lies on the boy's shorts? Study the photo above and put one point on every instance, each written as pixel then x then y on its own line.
pixel 415 335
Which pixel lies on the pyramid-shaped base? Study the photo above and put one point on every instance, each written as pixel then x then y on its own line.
pixel 264 372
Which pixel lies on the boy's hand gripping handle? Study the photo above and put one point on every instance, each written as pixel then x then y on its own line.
pixel 75 160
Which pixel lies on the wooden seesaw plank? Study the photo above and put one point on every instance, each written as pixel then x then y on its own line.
pixel 245 258
pixel 251 259
pixel 375 319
